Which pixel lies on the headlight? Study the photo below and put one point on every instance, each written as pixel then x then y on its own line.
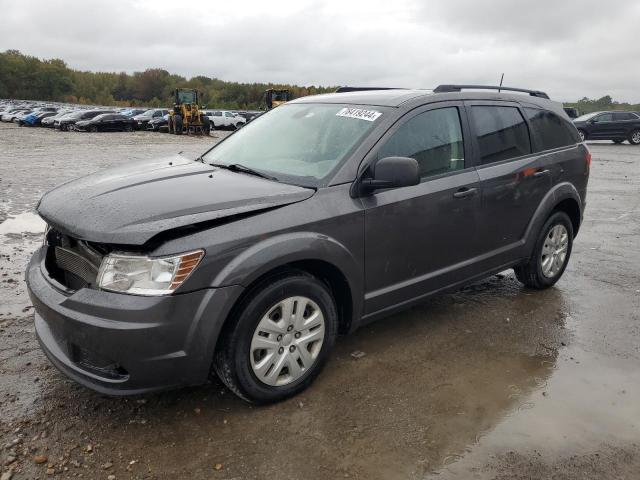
pixel 140 275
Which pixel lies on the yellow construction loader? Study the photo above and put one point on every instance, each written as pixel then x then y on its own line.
pixel 186 116
pixel 274 97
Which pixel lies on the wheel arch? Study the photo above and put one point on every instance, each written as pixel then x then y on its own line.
pixel 562 197
pixel 316 254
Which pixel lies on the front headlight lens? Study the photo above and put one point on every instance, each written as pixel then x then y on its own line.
pixel 141 275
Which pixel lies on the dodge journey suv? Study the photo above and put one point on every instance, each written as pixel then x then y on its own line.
pixel 324 214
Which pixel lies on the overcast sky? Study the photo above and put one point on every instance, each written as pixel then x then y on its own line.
pixel 568 48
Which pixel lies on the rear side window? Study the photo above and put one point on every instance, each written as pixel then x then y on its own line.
pixel 551 130
pixel 501 133
pixel 624 116
pixel 433 138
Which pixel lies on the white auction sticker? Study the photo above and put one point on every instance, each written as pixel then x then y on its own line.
pixel 368 115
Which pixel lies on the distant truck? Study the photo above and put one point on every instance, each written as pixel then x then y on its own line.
pixel 571 112
pixel 221 119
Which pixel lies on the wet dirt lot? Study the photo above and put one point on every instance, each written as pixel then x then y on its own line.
pixel 494 381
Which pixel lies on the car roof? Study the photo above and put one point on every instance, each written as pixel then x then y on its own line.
pixel 385 98
pixel 398 97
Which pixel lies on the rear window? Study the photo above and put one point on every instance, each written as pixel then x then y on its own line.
pixel 551 131
pixel 501 133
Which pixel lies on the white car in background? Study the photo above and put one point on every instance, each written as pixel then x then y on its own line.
pixel 224 119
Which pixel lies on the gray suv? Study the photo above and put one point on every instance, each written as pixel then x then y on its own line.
pixel 322 215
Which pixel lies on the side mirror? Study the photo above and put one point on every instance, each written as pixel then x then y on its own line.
pixel 392 172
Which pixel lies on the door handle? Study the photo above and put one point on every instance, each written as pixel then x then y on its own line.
pixel 541 173
pixel 465 192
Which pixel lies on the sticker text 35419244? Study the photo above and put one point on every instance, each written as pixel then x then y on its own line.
pixel 359 113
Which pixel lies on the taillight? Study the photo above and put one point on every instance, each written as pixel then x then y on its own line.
pixel 587 159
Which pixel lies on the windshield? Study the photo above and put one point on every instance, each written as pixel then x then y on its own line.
pixel 585 117
pixel 300 143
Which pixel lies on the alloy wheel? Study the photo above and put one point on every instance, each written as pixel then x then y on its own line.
pixel 287 341
pixel 554 251
pixel 635 137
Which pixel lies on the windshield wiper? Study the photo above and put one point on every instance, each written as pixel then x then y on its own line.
pixel 237 167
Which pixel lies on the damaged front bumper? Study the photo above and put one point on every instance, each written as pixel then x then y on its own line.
pixel 121 344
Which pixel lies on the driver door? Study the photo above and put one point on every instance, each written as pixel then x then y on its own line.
pixel 420 238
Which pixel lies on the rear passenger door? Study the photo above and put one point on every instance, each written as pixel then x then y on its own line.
pixel 420 238
pixel 513 179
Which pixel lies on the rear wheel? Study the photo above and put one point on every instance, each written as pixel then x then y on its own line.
pixel 618 140
pixel 128 128
pixel 634 137
pixel 280 339
pixel 551 253
pixel 93 128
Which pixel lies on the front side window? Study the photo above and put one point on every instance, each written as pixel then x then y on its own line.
pixel 501 133
pixel 605 117
pixel 551 130
pixel 298 143
pixel 432 138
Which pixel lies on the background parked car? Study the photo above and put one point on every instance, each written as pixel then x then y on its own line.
pixel 250 115
pixel 34 119
pixel 11 114
pixel 224 119
pixel 69 121
pixel 157 124
pixel 106 122
pixel 48 121
pixel 615 126
pixel 143 118
pixel 132 112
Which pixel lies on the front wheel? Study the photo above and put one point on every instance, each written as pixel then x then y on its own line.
pixel 128 128
pixel 551 253
pixel 279 340
pixel 177 124
pixel 583 135
pixel 634 137
pixel 93 129
pixel 618 140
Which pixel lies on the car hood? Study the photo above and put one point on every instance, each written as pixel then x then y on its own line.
pixel 129 205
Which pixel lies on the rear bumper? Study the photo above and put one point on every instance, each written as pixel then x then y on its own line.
pixel 125 344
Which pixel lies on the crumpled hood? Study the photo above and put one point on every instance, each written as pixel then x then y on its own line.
pixel 129 204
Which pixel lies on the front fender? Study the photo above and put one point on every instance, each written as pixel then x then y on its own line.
pixel 284 249
pixel 557 194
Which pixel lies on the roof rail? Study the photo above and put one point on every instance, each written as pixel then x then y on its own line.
pixel 362 89
pixel 457 88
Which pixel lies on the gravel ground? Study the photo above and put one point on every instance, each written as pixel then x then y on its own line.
pixel 494 381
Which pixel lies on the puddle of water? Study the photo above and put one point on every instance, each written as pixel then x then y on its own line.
pixel 27 222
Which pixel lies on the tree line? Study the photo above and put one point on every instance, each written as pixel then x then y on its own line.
pixel 27 77
pixel 587 105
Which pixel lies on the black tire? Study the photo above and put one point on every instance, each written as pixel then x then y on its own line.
pixel 177 124
pixel 128 128
pixel 206 125
pixel 618 140
pixel 232 359
pixel 634 137
pixel 583 134
pixel 93 128
pixel 530 273
pixel 170 125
